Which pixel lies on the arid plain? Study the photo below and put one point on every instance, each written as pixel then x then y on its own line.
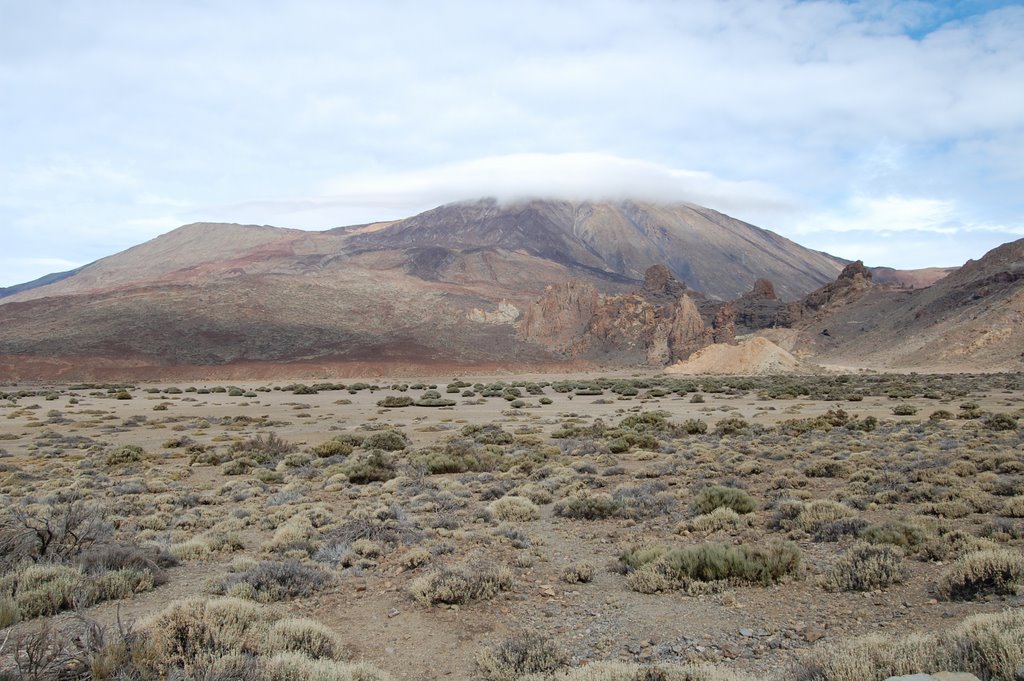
pixel 625 527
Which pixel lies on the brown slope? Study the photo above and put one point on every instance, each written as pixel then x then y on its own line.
pixel 446 286
pixel 185 253
pixel 972 320
pixel 919 278
pixel 616 242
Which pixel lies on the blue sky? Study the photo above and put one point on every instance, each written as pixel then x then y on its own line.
pixel 883 130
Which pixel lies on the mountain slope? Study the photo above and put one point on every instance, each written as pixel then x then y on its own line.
pixel 973 319
pixel 709 251
pixel 452 286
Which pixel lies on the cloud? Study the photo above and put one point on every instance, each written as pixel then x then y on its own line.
pixel 864 115
pixel 899 214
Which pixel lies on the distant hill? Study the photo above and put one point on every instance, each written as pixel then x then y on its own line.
pixel 469 284
pixel 970 320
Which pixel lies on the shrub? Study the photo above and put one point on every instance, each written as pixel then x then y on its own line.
pixel 298 667
pixel 585 506
pixel 1001 422
pixel 388 440
pixel 514 509
pixel 896 533
pixel 988 646
pixel 57 531
pixel 265 448
pixel 904 410
pixel 809 516
pixel 332 448
pixel 125 454
pixel 719 562
pixel 461 584
pixel 732 425
pixel 43 590
pixel 718 496
pixel 274 581
pixel 304 636
pixel 721 518
pixel 395 401
pixel 867 567
pixel 694 427
pixel 196 629
pixel 518 656
pixel 582 572
pixel 367 467
pixel 995 571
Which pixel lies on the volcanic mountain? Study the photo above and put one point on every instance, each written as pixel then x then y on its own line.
pixel 448 286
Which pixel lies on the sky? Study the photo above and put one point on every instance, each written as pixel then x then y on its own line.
pixel 885 130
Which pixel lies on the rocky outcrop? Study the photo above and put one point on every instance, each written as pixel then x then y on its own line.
pixel 561 316
pixel 658 324
pixel 761 308
pixel 853 281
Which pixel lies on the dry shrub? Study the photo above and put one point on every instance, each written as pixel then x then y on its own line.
pixel 297 667
pixel 577 573
pixel 867 567
pixel 990 646
pixel 275 581
pixel 195 630
pixel 514 509
pixel 518 656
pixel 305 636
pixel 995 571
pixel 721 518
pixel 461 584
pixel 809 516
pixel 625 671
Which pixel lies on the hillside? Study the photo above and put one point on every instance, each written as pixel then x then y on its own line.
pixel 971 320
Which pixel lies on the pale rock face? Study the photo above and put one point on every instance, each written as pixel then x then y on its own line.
pixel 506 313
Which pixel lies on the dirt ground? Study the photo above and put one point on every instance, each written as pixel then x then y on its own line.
pixel 55 437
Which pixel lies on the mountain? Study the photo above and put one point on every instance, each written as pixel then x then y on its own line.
pixel 970 320
pixel 36 283
pixel 477 283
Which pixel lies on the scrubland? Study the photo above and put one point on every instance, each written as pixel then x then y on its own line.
pixel 833 527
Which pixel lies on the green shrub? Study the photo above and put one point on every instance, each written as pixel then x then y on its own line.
pixel 694 427
pixel 718 496
pixel 704 563
pixel 904 410
pixel 897 533
pixel 732 425
pixel 867 567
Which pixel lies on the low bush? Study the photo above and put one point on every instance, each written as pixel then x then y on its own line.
pixel 461 584
pixel 585 506
pixel 718 496
pixel 519 656
pixel 514 509
pixel 388 440
pixel 995 571
pixel 867 567
pixel 704 563
pixel 272 581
